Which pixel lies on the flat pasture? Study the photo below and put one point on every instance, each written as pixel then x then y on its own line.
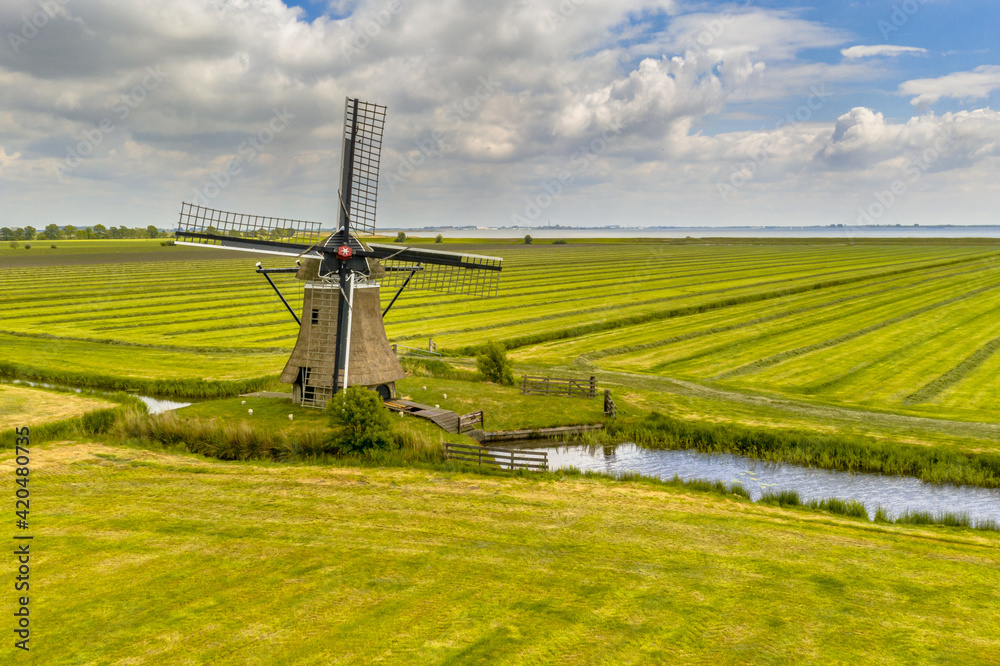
pixel 888 327
pixel 170 557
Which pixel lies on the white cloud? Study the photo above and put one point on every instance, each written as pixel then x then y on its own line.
pixel 977 84
pixel 880 50
pixel 560 73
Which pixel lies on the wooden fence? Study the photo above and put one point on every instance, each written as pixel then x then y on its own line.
pixel 609 405
pixel 575 388
pixel 468 422
pixel 402 350
pixel 508 459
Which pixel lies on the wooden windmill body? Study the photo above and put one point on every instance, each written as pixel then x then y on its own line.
pixel 342 340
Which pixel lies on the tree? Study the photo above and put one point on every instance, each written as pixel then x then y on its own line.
pixel 439 238
pixel 360 422
pixel 100 231
pixel 52 232
pixel 400 237
pixel 13 245
pixel 6 234
pixel 152 231
pixel 69 231
pixel 494 365
pixel 29 233
pixel 527 240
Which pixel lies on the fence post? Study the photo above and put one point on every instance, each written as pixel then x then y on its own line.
pixel 480 462
pixel 593 386
pixel 512 460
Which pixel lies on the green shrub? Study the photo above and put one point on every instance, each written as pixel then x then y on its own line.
pixel 494 365
pixel 13 245
pixel 360 421
pixel 400 237
pixel 559 242
pixel 439 238
pixel 527 240
pixel 27 246
pixel 429 367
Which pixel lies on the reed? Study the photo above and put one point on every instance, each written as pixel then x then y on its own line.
pixel 850 508
pixel 781 498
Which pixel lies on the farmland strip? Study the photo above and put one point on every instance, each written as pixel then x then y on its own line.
pixel 792 353
pixel 955 375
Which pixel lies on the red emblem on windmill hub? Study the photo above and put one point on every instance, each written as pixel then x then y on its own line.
pixel 345 252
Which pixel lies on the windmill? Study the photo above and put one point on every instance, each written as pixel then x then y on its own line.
pixel 342 340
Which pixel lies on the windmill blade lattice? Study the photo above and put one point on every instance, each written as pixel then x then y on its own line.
pixel 431 270
pixel 197 222
pixel 364 123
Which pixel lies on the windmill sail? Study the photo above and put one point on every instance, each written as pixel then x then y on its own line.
pixel 433 270
pixel 363 125
pixel 251 233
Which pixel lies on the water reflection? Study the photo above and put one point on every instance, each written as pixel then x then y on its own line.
pixel 895 494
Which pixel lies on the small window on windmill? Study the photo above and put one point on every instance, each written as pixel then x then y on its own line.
pixel 315 316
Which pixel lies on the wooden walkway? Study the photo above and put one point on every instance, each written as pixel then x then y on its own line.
pixel 447 419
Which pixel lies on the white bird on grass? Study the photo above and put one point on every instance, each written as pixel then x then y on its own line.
pixel 290 417
pixel 250 411
pixel 244 402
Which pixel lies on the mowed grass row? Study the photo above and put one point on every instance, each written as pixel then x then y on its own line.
pixel 576 266
pixel 820 322
pixel 643 340
pixel 736 351
pixel 874 352
pixel 242 311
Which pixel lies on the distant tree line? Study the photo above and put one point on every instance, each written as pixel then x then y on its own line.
pixel 69 232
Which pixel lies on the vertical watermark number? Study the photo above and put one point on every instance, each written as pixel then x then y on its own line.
pixel 22 539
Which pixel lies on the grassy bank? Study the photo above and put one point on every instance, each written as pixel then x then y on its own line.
pixel 267 563
pixel 25 406
pixel 164 388
pixel 88 424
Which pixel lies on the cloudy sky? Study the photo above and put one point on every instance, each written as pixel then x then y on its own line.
pixel 573 112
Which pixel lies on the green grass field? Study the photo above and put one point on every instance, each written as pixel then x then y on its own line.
pixel 798 328
pixel 148 557
pixel 147 554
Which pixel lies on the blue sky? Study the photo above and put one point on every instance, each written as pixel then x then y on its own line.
pixel 782 113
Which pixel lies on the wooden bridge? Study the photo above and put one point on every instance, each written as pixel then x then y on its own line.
pixel 448 420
